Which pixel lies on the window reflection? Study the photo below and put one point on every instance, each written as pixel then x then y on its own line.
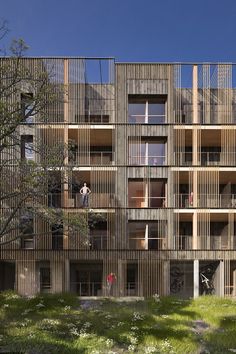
pixel 146 111
pixel 147 152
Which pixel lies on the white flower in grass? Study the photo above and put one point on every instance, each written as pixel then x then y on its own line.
pixel 67 308
pixel 87 325
pixel 5 306
pixel 83 334
pixel 109 343
pixel 71 325
pixel 40 305
pixel 133 340
pixel 150 350
pixel 48 324
pixel 108 317
pixel 12 296
pixel 156 298
pixel 25 323
pixel 1 337
pixel 164 316
pixel 74 331
pixel 137 316
pixel 61 301
pixel 95 352
pixel 26 311
pixel 119 324
pixel 134 328
pixel 166 345
pixel 131 348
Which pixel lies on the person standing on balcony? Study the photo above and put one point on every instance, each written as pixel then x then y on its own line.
pixel 85 191
pixel 190 199
pixel 111 278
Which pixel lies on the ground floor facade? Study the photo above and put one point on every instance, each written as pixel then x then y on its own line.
pixel 138 273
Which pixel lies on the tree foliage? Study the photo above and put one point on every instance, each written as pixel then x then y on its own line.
pixel 26 93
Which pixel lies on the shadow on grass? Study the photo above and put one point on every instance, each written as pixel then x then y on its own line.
pixel 222 340
pixel 79 330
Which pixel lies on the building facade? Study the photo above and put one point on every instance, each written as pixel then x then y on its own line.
pixel 156 145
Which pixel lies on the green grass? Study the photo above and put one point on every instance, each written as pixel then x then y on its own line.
pixel 59 324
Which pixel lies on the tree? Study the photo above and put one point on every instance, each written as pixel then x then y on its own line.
pixel 28 169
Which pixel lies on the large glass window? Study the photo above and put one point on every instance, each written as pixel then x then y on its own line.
pixel 57 237
pixel 146 193
pixel 27 147
pixel 27 106
pixel 45 279
pixel 147 152
pixel 147 235
pixel 147 110
pixel 26 229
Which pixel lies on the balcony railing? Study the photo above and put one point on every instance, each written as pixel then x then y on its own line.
pixel 183 158
pixel 213 242
pixel 87 288
pixel 141 243
pixel 185 200
pixel 147 202
pixel 207 158
pixel 54 200
pixel 150 119
pixel 155 160
pixel 131 289
pixel 91 158
pixel 183 242
pixel 95 200
pixel 98 242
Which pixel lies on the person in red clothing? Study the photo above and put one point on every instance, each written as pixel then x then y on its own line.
pixel 111 278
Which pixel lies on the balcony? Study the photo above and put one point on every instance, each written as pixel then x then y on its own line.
pixel 155 160
pixel 183 242
pixel 212 242
pixel 91 158
pixel 183 158
pixel 146 195
pixel 98 241
pixel 147 202
pixel 95 200
pixel 184 200
pixel 54 200
pixel 158 243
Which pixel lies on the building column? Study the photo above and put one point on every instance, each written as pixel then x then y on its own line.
pixel 166 274
pixel 195 94
pixel 234 282
pixel 195 243
pixel 67 275
pixel 195 278
pixel 222 279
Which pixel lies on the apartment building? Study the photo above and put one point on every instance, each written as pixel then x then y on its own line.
pixel 156 145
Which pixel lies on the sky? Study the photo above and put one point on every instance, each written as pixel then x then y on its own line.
pixel 129 30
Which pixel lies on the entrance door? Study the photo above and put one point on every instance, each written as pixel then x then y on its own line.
pixel 7 276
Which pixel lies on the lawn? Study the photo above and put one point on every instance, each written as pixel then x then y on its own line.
pixel 63 324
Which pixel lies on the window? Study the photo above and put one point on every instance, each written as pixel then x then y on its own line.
pixel 147 235
pixel 148 110
pixel 147 151
pixel 57 237
pixel 27 106
pixel 146 194
pixel 45 279
pixel 26 228
pixel 27 148
pixel 98 236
